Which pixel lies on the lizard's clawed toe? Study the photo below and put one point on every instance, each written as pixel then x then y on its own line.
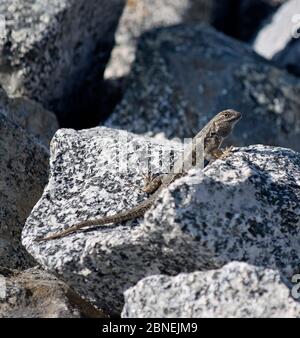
pixel 226 152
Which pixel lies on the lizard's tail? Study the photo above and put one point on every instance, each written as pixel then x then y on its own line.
pixel 135 212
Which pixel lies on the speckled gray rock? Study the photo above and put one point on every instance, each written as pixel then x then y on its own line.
pixel 205 220
pixel 142 15
pixel 184 75
pixel 85 182
pixel 236 290
pixel 35 293
pixel 30 115
pixel 23 175
pixel 279 39
pixel 52 47
pixel 246 208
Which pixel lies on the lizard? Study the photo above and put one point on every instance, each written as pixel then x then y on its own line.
pixel 210 138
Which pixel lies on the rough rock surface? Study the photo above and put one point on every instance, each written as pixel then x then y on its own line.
pixel 35 293
pixel 142 15
pixel 89 178
pixel 218 70
pixel 236 290
pixel 23 175
pixel 245 208
pixel 279 39
pixel 29 115
pixel 53 47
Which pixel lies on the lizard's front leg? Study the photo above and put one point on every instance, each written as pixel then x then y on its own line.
pixel 221 154
pixel 225 152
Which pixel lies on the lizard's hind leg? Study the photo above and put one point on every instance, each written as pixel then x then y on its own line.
pixel 151 183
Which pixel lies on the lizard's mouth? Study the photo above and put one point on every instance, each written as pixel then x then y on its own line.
pixel 235 116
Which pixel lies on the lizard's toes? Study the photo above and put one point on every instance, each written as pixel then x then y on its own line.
pixel 226 152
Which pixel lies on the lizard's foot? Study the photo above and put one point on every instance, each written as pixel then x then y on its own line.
pixel 226 152
pixel 151 183
pixel 221 154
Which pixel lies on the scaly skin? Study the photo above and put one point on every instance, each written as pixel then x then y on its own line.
pixel 210 138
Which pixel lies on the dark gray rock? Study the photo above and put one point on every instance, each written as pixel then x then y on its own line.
pixel 279 39
pixel 245 208
pixel 35 293
pixel 242 19
pixel 140 16
pixel 184 75
pixel 29 115
pixel 23 175
pixel 237 290
pixel 54 48
pixel 289 57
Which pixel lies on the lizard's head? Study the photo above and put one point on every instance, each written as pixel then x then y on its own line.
pixel 226 120
pixel 229 116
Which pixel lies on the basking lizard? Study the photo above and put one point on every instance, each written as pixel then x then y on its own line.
pixel 209 138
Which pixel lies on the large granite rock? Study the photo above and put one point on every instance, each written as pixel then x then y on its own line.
pixel 54 48
pixel 236 290
pixel 183 75
pixel 35 293
pixel 23 175
pixel 245 208
pixel 29 115
pixel 140 16
pixel 279 39
pixel 89 177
